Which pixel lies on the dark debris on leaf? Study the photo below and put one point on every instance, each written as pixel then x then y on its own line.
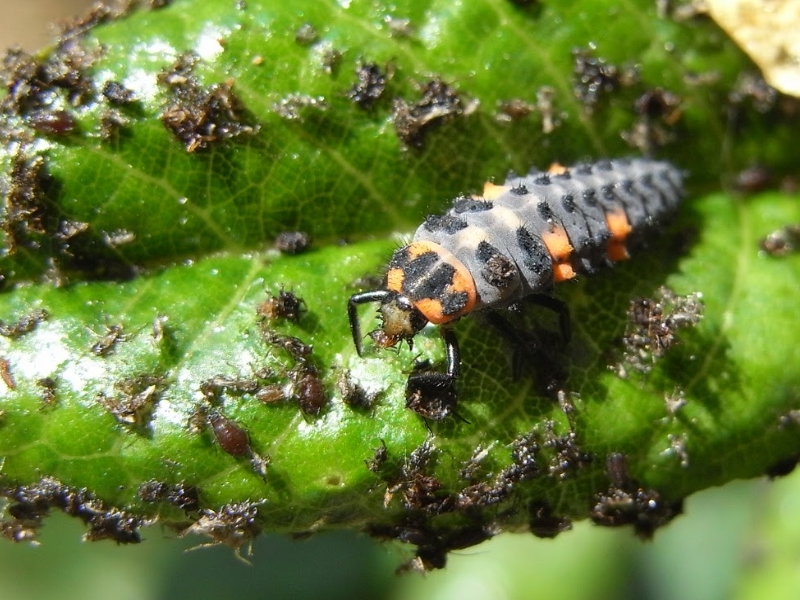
pixel 29 504
pixel 438 104
pixel 369 87
pixel 233 525
pixel 200 116
pixel 626 503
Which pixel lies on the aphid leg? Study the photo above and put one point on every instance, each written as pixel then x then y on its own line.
pixel 558 306
pixel 352 312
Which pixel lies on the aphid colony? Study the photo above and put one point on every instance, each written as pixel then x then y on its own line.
pixel 516 241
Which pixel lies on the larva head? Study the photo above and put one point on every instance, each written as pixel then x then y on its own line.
pixel 425 283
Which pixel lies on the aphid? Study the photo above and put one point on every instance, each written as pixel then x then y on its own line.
pixel 515 242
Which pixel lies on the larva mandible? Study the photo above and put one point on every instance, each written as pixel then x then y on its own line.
pixel 517 240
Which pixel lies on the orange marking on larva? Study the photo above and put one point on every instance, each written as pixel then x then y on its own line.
pixel 618 225
pixel 557 244
pixel 394 280
pixel 557 169
pixel 432 310
pixel 492 191
pixel 461 282
pixel 617 251
pixel 416 249
pixel 563 271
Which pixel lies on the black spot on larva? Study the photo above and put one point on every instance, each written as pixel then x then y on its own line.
pixel 590 197
pixel 453 302
pixel 568 202
pixel 519 191
pixel 470 205
pixel 582 169
pixel 420 268
pixel 542 180
pixel 537 258
pixel 544 210
pixel 565 175
pixel 446 223
pixel 497 270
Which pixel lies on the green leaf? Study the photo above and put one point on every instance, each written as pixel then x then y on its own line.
pixel 119 383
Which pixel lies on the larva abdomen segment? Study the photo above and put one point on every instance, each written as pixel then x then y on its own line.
pixel 532 231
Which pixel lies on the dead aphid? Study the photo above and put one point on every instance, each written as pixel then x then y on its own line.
pixel 159 332
pixel 107 343
pixel 353 393
pixel 675 401
pixel 399 28
pixel 330 58
pixel 308 390
pixel 48 393
pixel 439 103
pixel 569 457
pixel 753 179
pixel 294 346
pixel 212 388
pixel 198 419
pixel 286 305
pixel 260 464
pixel 594 77
pixel 24 325
pixel 370 85
pixel 431 394
pixel 652 324
pixel 433 544
pixel 56 123
pixel 5 374
pixel 659 104
pixel 111 123
pixel 379 456
pixel 513 110
pixel 677 447
pixel 306 35
pixel 292 242
pixel 658 111
pixel 199 117
pixel 291 106
pixel 782 242
pixel 469 468
pixel 233 525
pixel 544 104
pixel 120 237
pixel 135 399
pixel 272 393
pixel 625 503
pixel 118 94
pixel 751 88
pixel 420 490
pixel 544 523
pixel 180 495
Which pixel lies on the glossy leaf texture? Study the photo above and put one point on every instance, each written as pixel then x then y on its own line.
pixel 156 366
